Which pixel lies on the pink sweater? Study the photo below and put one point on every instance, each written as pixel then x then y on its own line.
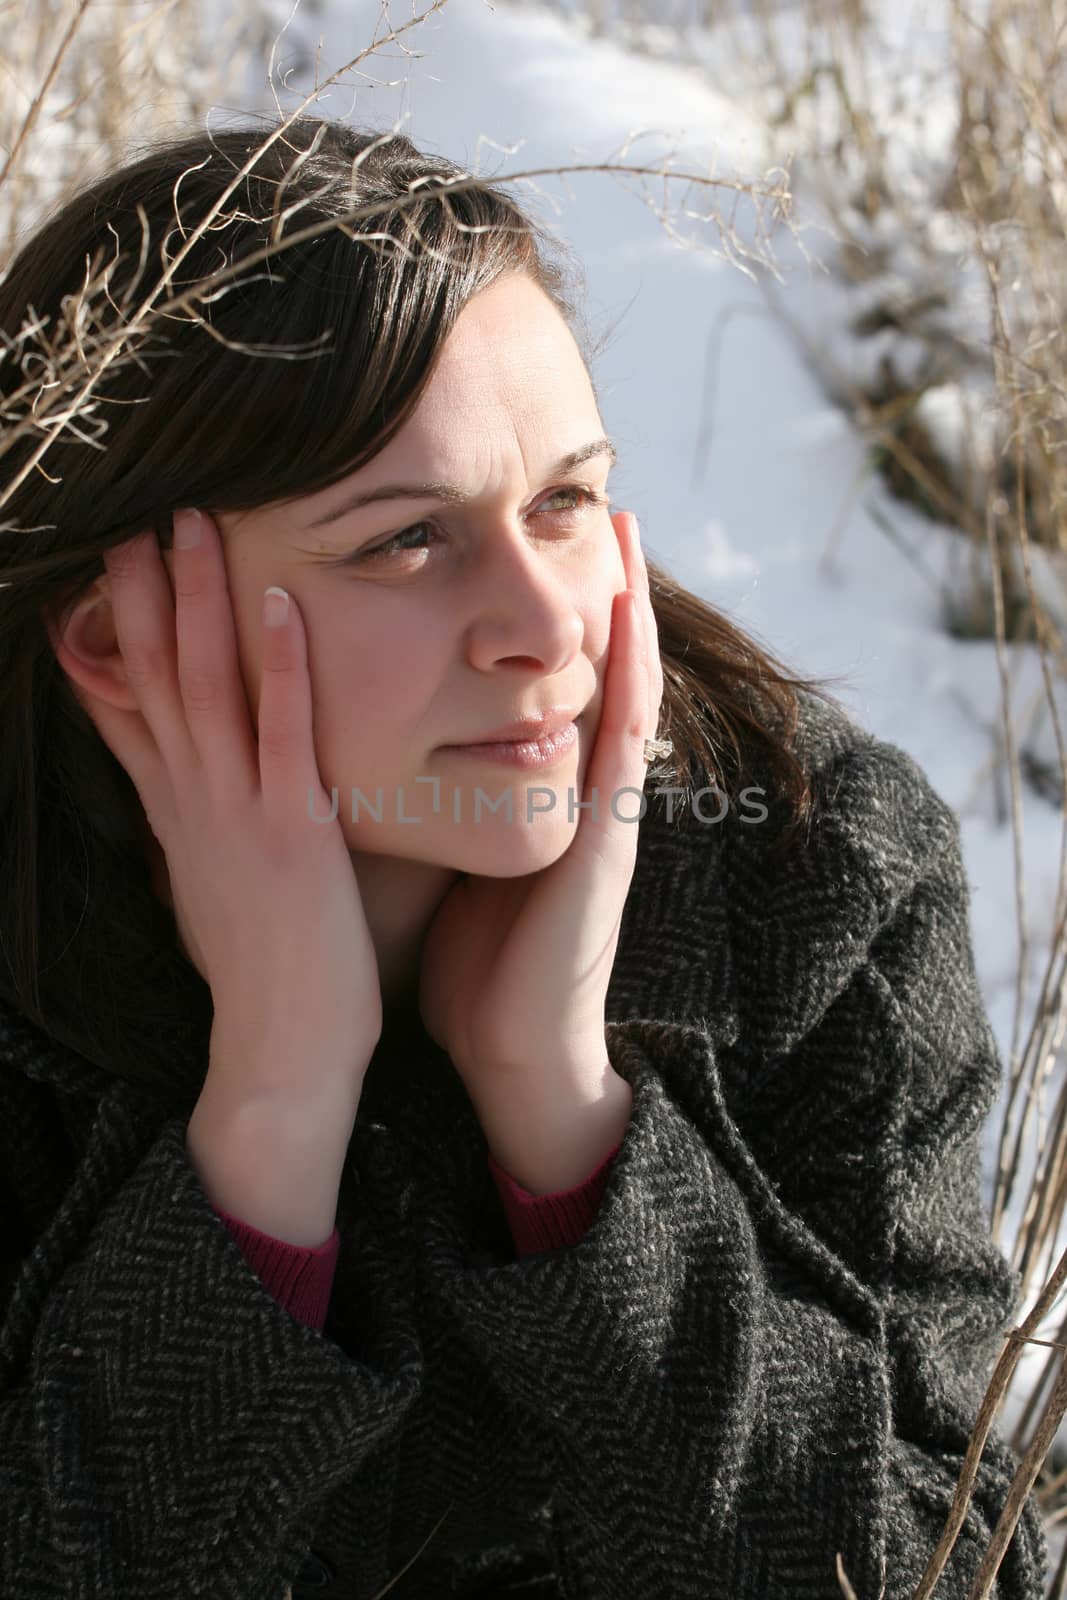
pixel 301 1278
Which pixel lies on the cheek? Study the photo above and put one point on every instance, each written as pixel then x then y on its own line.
pixel 373 675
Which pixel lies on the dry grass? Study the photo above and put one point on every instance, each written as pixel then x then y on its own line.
pixel 1007 490
pixel 81 80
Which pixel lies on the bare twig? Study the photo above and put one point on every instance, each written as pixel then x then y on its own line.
pixel 30 119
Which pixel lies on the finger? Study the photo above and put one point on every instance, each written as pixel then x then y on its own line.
pixel 288 766
pixel 212 689
pixel 640 585
pixel 143 609
pixel 617 762
pixel 637 580
pixel 655 665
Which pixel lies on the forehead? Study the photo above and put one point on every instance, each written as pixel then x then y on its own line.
pixel 510 362
pixel 513 308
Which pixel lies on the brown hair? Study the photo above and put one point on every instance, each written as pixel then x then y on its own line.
pixel 88 951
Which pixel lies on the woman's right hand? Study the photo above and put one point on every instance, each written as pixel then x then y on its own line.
pixel 265 897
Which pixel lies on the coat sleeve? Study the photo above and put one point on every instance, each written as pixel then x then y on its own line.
pixel 770 1347
pixel 165 1425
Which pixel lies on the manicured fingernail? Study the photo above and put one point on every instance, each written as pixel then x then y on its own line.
pixel 186 528
pixel 275 607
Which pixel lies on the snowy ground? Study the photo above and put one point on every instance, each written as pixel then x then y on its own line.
pixel 734 460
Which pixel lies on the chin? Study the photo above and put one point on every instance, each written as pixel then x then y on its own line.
pixel 512 851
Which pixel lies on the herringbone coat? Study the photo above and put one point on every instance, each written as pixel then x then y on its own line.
pixel 766 1354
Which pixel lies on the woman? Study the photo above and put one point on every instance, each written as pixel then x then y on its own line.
pixel 438 1162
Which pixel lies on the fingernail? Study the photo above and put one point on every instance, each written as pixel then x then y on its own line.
pixel 275 606
pixel 186 528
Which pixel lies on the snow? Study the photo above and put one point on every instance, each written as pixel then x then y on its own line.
pixel 750 484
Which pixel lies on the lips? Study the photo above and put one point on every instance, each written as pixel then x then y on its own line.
pixel 527 754
pixel 527 728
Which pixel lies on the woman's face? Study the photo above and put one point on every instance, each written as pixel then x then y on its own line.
pixel 480 613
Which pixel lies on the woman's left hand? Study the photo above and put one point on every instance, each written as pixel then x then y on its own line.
pixel 514 971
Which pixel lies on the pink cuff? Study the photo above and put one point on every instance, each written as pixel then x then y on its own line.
pixel 548 1221
pixel 299 1277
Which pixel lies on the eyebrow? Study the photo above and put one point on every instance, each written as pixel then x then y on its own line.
pixel 450 493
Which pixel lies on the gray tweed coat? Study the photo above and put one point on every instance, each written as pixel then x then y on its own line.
pixel 766 1354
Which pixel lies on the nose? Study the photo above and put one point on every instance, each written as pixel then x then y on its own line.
pixel 524 613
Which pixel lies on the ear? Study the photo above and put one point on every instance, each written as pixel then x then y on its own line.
pixel 86 646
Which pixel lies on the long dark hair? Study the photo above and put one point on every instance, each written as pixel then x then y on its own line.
pixel 88 951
